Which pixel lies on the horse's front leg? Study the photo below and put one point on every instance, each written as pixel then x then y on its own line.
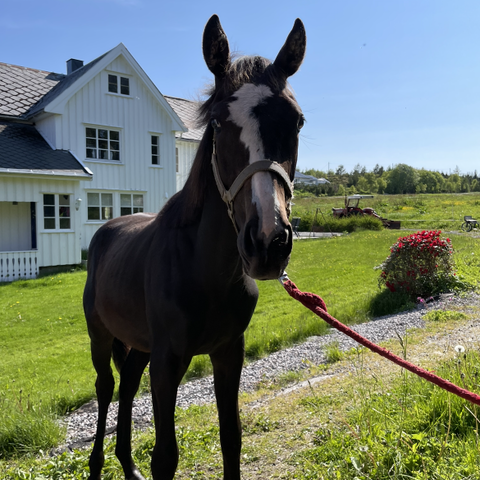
pixel 166 373
pixel 101 347
pixel 130 377
pixel 227 368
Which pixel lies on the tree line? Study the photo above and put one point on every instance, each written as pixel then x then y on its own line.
pixel 400 179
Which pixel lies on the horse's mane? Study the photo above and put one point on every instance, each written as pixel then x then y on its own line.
pixel 184 207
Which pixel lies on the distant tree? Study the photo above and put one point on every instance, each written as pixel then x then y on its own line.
pixel 341 171
pixel 433 181
pixel 402 179
pixel 371 182
pixel 362 185
pixel 382 185
pixel 378 170
pixel 421 188
pixel 315 173
pixel 356 173
pixel 456 182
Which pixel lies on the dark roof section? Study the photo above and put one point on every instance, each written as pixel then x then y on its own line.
pixel 21 88
pixel 188 113
pixel 25 91
pixel 66 82
pixel 23 150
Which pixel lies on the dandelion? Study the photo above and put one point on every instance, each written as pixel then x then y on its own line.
pixel 459 348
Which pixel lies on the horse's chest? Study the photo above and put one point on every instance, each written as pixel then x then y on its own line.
pixel 200 324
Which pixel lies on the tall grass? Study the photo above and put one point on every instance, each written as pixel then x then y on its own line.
pixel 421 212
pixel 413 430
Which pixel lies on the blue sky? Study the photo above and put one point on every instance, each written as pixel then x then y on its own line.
pixel 384 82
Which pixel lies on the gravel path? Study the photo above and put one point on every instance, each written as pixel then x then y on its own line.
pixel 81 424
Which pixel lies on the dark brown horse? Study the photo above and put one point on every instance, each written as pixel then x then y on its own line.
pixel 163 288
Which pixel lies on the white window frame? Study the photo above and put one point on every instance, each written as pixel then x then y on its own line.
pixel 61 212
pixel 131 206
pixel 111 145
pixel 119 78
pixel 155 148
pixel 105 208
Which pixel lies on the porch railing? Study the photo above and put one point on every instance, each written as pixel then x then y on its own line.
pixel 16 265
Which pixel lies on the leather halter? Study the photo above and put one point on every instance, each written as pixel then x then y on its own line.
pixel 228 196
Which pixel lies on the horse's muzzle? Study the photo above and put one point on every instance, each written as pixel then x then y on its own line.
pixel 264 258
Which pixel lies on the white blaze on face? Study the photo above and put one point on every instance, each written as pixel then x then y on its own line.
pixel 264 195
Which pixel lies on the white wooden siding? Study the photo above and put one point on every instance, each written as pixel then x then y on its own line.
pixel 186 155
pixel 53 247
pixel 136 116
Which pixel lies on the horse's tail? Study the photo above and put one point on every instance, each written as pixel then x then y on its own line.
pixel 119 353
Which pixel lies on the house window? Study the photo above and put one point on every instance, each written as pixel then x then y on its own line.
pixel 113 84
pixel 102 144
pixel 56 212
pixel 155 150
pixel 176 160
pixel 130 203
pixel 100 206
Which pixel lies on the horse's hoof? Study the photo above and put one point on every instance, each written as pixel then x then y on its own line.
pixel 136 475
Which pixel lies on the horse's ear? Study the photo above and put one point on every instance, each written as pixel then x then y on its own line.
pixel 215 47
pixel 291 55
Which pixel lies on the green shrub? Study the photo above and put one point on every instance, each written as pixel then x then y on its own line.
pixel 328 223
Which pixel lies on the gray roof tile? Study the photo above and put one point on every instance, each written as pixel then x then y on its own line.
pixel 188 113
pixel 23 150
pixel 21 88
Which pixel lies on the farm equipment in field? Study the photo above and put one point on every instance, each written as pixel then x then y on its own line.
pixel 352 208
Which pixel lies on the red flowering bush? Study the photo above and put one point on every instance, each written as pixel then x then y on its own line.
pixel 420 265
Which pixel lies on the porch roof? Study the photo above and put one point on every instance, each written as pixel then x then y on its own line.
pixel 23 150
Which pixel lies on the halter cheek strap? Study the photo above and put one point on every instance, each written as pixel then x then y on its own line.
pixel 228 196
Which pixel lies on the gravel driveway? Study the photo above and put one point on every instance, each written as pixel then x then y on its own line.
pixel 81 424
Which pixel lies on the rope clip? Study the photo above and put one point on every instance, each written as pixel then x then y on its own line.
pixel 283 278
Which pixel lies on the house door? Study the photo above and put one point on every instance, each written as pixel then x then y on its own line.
pixel 17 232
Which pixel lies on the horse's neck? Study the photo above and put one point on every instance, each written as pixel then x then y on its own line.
pixel 216 236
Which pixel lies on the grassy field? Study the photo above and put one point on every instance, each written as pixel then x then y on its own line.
pixel 422 212
pixel 46 370
pixel 359 418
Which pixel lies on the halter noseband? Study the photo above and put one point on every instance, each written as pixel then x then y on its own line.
pixel 228 196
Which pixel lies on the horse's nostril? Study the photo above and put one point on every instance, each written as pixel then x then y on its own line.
pixel 250 240
pixel 280 247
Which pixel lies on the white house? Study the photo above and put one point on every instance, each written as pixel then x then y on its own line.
pixel 78 149
pixel 309 179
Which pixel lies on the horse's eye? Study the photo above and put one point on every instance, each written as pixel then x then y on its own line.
pixel 301 123
pixel 215 124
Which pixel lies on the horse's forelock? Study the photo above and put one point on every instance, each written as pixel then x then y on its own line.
pixel 246 69
pixel 243 70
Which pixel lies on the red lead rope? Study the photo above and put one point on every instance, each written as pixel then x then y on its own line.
pixel 317 306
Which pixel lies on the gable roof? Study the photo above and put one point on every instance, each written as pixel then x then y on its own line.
pixel 26 92
pixel 187 110
pixel 23 150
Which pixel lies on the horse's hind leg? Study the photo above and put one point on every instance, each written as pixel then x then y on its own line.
pixel 130 376
pixel 227 368
pixel 101 346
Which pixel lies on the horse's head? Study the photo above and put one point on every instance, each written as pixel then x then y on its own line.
pixel 255 122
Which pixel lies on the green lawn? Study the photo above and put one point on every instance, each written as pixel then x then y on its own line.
pixel 45 366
